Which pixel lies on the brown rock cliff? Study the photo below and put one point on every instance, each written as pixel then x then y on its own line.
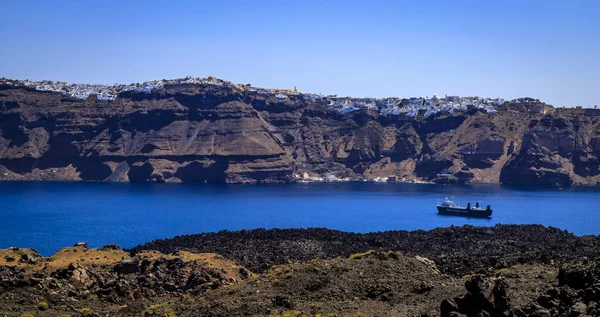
pixel 203 133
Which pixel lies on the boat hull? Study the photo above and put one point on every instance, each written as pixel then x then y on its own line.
pixel 464 212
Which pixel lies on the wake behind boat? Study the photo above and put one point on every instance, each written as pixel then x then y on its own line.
pixel 449 207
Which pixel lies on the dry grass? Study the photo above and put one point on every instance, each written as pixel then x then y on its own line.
pixel 81 255
pixel 6 254
pixel 108 258
pixel 361 255
pixel 160 310
pixel 208 260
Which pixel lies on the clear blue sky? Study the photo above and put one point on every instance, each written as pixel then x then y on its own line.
pixel 544 49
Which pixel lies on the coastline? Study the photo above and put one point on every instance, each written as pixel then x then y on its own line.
pixel 479 244
pixel 307 272
pixel 278 245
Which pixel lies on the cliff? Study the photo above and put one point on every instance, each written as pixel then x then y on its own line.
pixel 222 134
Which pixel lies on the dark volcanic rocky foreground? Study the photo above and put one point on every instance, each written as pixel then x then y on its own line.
pixel 523 271
pixel 455 250
pixel 204 133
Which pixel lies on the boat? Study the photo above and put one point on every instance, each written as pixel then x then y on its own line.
pixel 449 207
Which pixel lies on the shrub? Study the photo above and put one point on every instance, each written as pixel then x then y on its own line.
pixel 361 255
pixel 160 310
pixel 316 261
pixel 189 300
pixel 291 313
pixel 274 271
pixel 42 306
pixel 503 271
pixel 85 310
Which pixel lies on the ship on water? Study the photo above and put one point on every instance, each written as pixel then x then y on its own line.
pixel 449 207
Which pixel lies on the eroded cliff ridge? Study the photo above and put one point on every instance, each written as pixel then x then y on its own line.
pixel 224 134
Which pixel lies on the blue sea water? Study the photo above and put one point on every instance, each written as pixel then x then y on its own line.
pixel 48 216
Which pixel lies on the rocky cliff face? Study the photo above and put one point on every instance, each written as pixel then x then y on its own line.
pixel 556 150
pixel 203 133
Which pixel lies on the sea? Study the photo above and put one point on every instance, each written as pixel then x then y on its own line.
pixel 49 215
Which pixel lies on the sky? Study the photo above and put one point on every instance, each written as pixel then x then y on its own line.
pixel 544 49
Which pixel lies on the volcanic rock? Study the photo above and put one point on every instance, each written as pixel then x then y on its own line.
pixel 483 298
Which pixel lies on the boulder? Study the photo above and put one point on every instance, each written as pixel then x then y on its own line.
pixel 576 295
pixel 483 298
pixel 80 275
pixel 579 309
pixel 127 266
pixel 575 276
pixel 110 247
pixel 447 307
pixel 26 258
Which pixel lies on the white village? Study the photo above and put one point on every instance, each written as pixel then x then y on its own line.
pixel 409 107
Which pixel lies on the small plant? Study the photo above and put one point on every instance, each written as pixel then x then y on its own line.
pixel 361 255
pixel 42 306
pixel 291 313
pixel 160 310
pixel 316 261
pixel 189 299
pixel 201 301
pixel 274 271
pixel 85 310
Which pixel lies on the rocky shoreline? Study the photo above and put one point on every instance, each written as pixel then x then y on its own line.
pixel 530 270
pixel 455 250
